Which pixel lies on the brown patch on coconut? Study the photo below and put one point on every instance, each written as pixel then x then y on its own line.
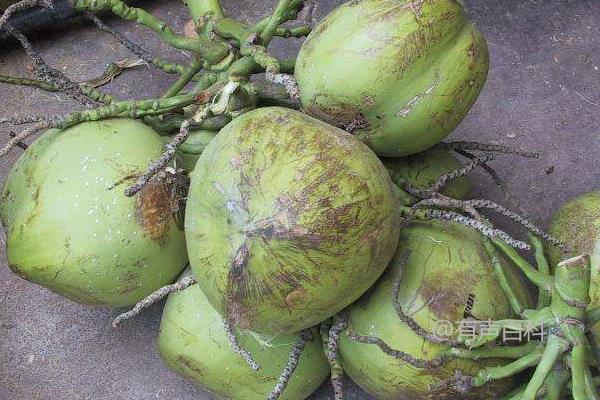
pixel 154 210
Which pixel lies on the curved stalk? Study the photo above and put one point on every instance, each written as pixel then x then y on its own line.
pixel 184 79
pixel 200 8
pixel 555 347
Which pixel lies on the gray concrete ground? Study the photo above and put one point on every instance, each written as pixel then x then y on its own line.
pixel 543 93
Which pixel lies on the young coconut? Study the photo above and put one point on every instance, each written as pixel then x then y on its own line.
pixel 405 73
pixel 190 150
pixel 194 342
pixel 442 276
pixel 69 231
pixel 577 225
pixel 288 220
pixel 422 170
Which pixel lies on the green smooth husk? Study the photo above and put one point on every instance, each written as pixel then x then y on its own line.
pixel 423 169
pixel 447 262
pixel 66 231
pixel 288 220
pixel 193 343
pixel 408 70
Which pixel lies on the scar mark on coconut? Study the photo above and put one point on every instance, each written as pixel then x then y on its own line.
pixel 240 262
pixel 412 103
pixel 154 211
pixel 191 365
pixel 348 117
pixel 296 296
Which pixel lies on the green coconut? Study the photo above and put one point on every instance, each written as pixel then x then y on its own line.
pixel 288 220
pixel 423 169
pixel 68 232
pixel 190 150
pixel 448 276
pixel 399 74
pixel 577 225
pixel 193 343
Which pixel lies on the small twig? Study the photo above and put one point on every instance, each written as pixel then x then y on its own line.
pixel 21 145
pixel 443 180
pixel 400 355
pixel 22 6
pixel 287 81
pixel 14 80
pixel 21 120
pixel 161 293
pixel 136 49
pixel 162 161
pixel 406 185
pixel 488 204
pixel 113 70
pixel 49 74
pixel 439 200
pixel 445 215
pixel 293 359
pixel 18 138
pixel 502 185
pixel 237 349
pixel 132 47
pixel 340 324
pixel 124 179
pixel 488 148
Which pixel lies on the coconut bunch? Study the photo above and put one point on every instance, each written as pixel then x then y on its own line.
pixel 317 221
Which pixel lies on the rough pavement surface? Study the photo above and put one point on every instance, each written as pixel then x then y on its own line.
pixel 543 93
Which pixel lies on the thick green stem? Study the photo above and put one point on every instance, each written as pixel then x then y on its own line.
pixel 201 8
pixel 556 382
pixel 513 352
pixel 296 32
pixel 278 17
pixel 211 50
pixel 506 286
pixel 537 278
pixel 88 90
pixel 590 385
pixel 555 347
pixel 542 267
pixel 290 14
pixel 207 80
pixel 132 109
pixel 578 367
pixel 14 80
pixel 184 79
pixel 231 29
pixel 170 68
pixel 494 373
